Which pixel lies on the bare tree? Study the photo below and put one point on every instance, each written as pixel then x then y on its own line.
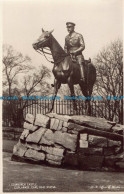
pixel 109 67
pixel 35 83
pixel 20 78
pixel 14 63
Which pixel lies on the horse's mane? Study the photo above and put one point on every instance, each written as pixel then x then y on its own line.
pixel 58 45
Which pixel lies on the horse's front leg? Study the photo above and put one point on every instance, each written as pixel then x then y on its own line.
pixel 57 85
pixel 71 86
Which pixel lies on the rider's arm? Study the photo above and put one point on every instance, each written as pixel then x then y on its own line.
pixel 82 44
pixel 65 47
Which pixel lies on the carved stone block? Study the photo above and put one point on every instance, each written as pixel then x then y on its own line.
pixel 30 118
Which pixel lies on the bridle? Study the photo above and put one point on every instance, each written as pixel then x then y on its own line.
pixel 42 52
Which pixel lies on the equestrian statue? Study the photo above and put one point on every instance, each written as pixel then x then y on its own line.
pixel 70 67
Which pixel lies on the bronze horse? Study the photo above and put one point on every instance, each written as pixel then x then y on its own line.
pixel 65 70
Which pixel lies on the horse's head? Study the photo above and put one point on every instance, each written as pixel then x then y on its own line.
pixel 43 40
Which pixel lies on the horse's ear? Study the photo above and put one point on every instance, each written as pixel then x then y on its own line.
pixel 51 31
pixel 43 30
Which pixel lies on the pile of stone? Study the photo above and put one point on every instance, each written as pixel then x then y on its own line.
pixel 80 141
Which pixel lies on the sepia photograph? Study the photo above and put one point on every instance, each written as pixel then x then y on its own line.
pixel 61 96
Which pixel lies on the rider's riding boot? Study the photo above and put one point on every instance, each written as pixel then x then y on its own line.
pixel 81 62
pixel 82 72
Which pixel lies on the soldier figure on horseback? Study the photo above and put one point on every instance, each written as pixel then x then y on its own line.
pixel 65 70
pixel 74 45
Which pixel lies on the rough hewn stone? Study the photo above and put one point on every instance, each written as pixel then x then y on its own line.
pixel 64 129
pixel 97 132
pixel 30 126
pixel 58 151
pixel 73 132
pixel 58 146
pixel 96 141
pixel 53 151
pixel 34 128
pixel 96 123
pixel 53 157
pixel 42 120
pixel 47 138
pixel 118 128
pixel 71 126
pixel 33 146
pixel 36 136
pixel 83 144
pixel 24 134
pixel 27 125
pixel 29 118
pixel 44 141
pixel 60 125
pixel 19 149
pixel 113 143
pixel 83 136
pixel 90 151
pixel 49 135
pixel 60 117
pixel 67 140
pixel 55 124
pixel 52 120
pixel 30 153
pixel 65 124
pixel 55 163
pixel 51 115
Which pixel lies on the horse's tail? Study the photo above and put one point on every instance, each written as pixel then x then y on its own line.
pixel 91 73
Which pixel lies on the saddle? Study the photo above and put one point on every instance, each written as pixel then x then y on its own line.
pixel 73 58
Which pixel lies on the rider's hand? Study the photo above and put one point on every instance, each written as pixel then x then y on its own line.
pixel 73 52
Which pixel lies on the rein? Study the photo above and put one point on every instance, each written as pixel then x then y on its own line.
pixel 44 52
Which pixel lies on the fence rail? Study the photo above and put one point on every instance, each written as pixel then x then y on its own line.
pixel 109 109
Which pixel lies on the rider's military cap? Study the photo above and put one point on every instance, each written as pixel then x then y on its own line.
pixel 70 24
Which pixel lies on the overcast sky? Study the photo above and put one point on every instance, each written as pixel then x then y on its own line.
pixel 99 21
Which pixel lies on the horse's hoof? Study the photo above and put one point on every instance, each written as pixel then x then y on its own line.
pixel 48 112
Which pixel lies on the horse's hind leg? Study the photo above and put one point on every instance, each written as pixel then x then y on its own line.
pixel 87 94
pixel 89 104
pixel 56 87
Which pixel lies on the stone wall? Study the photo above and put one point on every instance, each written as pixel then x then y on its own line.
pixel 83 142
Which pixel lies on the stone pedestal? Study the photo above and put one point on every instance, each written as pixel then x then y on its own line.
pixel 87 143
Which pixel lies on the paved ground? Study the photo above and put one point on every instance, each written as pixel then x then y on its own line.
pixel 23 177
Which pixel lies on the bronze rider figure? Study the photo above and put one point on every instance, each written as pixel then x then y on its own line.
pixel 74 45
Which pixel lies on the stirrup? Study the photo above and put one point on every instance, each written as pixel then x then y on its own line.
pixel 82 79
